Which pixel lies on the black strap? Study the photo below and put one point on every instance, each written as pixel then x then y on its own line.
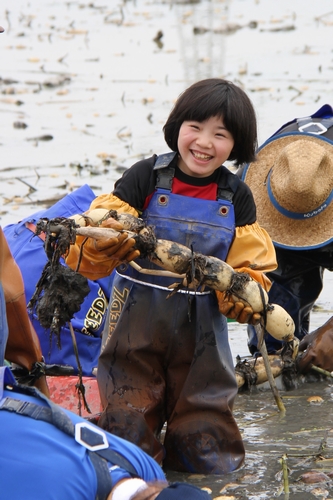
pixel 104 483
pixel 54 415
pixel 165 175
pixel 227 191
pixel 164 178
pixel 163 160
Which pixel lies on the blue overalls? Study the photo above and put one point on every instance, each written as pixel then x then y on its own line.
pixel 167 359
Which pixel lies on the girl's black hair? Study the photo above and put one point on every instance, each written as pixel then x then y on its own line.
pixel 217 97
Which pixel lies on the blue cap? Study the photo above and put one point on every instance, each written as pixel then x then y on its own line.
pixel 183 491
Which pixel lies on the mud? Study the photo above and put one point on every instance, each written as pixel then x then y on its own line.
pixel 303 437
pixel 85 88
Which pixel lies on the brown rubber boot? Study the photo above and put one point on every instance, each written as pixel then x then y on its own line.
pixel 208 444
pixel 23 347
pixel 132 426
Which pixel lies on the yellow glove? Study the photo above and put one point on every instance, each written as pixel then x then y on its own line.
pixel 234 309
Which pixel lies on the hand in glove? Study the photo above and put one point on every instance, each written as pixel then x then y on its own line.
pixel 119 247
pixel 318 348
pixel 232 308
pixel 96 259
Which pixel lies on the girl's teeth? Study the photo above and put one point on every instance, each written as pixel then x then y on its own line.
pixel 202 157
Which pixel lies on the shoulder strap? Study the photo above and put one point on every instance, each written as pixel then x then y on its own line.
pixel 84 433
pixel 164 178
pixel 226 191
pixel 164 160
pixel 164 173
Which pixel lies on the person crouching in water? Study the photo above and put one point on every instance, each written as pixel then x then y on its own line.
pixel 167 358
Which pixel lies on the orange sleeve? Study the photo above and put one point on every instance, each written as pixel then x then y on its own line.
pixel 94 264
pixel 111 202
pixel 252 252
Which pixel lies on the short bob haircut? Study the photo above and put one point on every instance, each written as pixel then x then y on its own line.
pixel 216 97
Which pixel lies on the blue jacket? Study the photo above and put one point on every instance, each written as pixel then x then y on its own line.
pixel 38 460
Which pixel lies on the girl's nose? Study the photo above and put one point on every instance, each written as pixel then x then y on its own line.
pixel 204 140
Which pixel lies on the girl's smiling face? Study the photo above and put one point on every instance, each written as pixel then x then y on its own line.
pixel 203 146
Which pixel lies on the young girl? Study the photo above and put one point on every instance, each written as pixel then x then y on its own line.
pixel 168 359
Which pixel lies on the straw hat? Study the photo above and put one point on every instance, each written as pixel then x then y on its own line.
pixel 292 184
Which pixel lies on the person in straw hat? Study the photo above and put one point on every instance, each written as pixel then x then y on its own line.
pixel 292 184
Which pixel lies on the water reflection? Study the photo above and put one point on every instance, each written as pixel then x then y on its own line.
pixel 202 51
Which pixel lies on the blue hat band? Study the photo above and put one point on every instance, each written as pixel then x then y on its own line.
pixel 296 215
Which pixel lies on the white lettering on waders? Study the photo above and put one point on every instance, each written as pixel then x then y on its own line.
pixel 117 304
pixel 95 314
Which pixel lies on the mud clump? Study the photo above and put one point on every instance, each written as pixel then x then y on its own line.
pixel 59 296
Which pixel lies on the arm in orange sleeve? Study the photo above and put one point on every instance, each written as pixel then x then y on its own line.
pixel 252 252
pixel 111 202
pixel 97 260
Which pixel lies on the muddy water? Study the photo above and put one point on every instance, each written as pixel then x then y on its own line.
pixel 85 88
pixel 304 435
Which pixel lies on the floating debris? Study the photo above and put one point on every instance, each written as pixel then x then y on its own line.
pixel 315 400
pixel 158 39
pixel 314 476
pixel 46 137
pixel 20 125
pixel 281 28
pixel 320 493
pixel 224 30
pixel 229 486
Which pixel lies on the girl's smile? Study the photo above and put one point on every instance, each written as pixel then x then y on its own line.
pixel 203 146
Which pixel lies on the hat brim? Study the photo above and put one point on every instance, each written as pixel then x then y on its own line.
pixel 285 232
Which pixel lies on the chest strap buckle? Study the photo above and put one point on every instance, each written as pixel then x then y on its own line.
pixel 91 438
